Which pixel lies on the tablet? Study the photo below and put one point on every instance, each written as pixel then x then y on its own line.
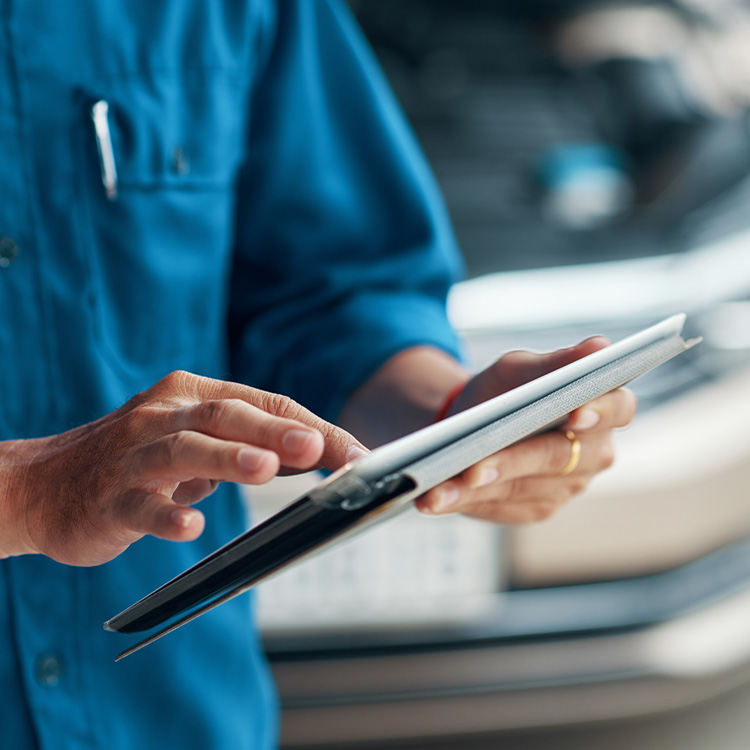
pixel 383 483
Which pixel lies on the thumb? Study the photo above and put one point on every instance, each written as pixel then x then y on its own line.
pixel 158 515
pixel 561 357
pixel 519 367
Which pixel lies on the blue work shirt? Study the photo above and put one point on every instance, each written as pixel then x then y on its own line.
pixel 273 223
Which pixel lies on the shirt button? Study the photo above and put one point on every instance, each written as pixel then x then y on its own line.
pixel 48 669
pixel 8 251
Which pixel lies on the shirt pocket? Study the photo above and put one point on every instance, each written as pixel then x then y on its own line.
pixel 159 249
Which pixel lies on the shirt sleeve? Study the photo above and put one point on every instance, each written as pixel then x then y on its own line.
pixel 344 250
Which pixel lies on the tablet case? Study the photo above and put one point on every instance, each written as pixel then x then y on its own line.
pixel 385 482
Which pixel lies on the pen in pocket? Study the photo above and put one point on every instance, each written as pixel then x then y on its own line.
pixel 99 116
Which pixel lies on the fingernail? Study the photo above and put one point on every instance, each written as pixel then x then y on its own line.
pixel 488 476
pixel 297 442
pixel 181 517
pixel 587 419
pixel 447 499
pixel 355 452
pixel 251 459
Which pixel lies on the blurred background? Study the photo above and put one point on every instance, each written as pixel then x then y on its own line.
pixel 595 159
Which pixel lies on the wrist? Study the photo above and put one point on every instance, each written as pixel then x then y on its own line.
pixel 14 533
pixel 450 400
pixel 403 395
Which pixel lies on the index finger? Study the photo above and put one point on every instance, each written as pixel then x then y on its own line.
pixel 549 452
pixel 296 444
pixel 610 411
pixel 187 388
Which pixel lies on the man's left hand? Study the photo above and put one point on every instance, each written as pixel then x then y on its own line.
pixel 528 481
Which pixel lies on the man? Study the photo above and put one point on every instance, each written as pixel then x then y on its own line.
pixel 193 194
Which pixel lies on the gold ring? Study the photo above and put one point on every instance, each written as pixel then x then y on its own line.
pixel 575 453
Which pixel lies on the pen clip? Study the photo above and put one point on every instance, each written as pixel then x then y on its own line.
pixel 99 116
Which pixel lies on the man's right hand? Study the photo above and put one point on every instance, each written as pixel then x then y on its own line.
pixel 84 496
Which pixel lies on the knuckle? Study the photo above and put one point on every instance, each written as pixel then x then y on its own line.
pixel 510 365
pixel 529 511
pixel 547 505
pixel 173 447
pixel 488 510
pixel 630 403
pixel 174 380
pixel 556 499
pixel 139 399
pixel 136 425
pixel 606 456
pixel 507 463
pixel 214 414
pixel 279 405
pixel 180 385
pixel 511 491
pixel 558 454
pixel 577 485
pixel 133 422
pixel 513 358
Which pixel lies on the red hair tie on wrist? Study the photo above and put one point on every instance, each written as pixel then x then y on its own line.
pixel 453 394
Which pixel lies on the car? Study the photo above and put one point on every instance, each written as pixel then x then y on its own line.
pixel 635 599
